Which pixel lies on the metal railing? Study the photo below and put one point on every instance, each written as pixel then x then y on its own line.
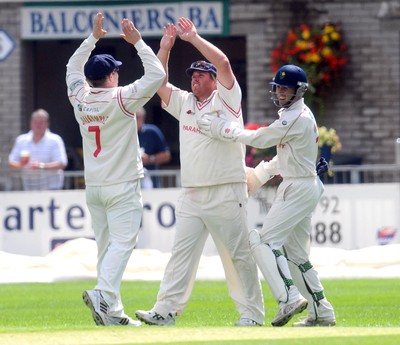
pixel 366 173
pixel 12 180
pixel 349 174
pixel 167 178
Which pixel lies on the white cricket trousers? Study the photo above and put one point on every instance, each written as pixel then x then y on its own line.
pixel 288 224
pixel 116 212
pixel 289 219
pixel 220 211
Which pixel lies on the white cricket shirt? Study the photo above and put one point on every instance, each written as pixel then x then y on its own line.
pixel 106 117
pixel 206 161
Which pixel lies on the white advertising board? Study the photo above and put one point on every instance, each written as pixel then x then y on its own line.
pixel 350 216
pixel 347 217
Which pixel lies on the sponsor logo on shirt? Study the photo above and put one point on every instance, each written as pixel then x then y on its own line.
pixel 75 84
pixel 190 129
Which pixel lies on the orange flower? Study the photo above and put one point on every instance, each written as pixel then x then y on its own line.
pixel 318 50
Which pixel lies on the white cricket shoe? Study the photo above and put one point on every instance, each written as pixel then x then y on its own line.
pixel 309 322
pixel 97 305
pixel 287 311
pixel 246 322
pixel 151 317
pixel 122 321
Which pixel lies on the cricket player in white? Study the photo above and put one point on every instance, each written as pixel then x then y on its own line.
pixel 287 226
pixel 113 166
pixel 214 196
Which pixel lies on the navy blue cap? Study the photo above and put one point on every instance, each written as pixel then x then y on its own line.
pixel 202 66
pixel 98 66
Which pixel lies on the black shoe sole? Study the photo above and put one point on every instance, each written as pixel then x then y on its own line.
pixel 96 316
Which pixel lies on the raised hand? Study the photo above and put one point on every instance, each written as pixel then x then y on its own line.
pixel 187 29
pixel 98 31
pixel 168 39
pixel 130 33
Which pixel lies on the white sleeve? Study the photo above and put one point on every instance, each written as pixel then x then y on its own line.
pixel 232 98
pixel 258 176
pixel 266 170
pixel 77 62
pixel 60 153
pixel 75 78
pixel 140 91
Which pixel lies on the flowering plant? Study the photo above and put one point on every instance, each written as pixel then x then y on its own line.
pixel 329 138
pixel 255 155
pixel 320 51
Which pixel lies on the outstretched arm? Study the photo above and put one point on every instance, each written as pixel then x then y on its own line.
pixel 137 93
pixel 212 53
pixel 166 44
pixel 75 77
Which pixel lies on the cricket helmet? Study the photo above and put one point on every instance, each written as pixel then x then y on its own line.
pixel 289 76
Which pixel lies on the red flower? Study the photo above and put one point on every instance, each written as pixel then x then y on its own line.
pixel 318 50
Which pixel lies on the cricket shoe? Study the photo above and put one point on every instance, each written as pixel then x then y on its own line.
pixel 246 322
pixel 97 305
pixel 153 318
pixel 287 311
pixel 122 321
pixel 309 322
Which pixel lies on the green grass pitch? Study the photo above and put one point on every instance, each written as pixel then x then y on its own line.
pixel 367 312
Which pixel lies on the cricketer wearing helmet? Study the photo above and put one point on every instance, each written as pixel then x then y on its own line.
pixel 281 249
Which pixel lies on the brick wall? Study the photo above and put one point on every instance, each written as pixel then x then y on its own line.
pixel 10 83
pixel 363 106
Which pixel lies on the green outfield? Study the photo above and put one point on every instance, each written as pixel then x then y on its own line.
pixel 367 312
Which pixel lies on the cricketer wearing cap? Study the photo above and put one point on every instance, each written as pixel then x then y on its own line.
pixel 113 166
pixel 214 196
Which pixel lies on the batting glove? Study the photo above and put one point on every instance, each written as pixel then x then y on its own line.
pixel 322 166
pixel 218 128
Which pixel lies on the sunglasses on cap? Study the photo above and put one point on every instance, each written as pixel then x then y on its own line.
pixel 202 66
